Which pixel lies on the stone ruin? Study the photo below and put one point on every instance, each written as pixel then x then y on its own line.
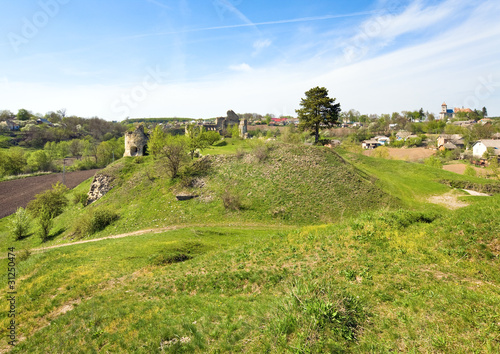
pixel 222 123
pixel 135 142
pixel 101 184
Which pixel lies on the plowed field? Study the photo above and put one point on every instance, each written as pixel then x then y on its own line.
pixel 17 193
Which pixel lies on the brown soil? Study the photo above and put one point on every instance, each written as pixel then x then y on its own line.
pixel 460 168
pixel 17 193
pixel 407 154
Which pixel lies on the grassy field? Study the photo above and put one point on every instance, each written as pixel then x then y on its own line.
pixel 392 273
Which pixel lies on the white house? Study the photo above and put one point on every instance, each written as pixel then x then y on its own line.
pixel 383 140
pixel 482 146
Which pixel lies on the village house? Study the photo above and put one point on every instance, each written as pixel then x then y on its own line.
pixel 43 121
pixel 450 142
pixel 278 121
pixel 403 135
pixel 12 125
pixel 370 144
pixel 383 140
pixel 485 121
pixel 482 146
pixel 375 142
pixel 464 123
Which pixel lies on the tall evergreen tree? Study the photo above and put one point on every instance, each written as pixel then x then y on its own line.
pixel 318 110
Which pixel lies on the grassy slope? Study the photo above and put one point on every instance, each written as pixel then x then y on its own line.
pixel 381 281
pixel 308 185
pixel 412 183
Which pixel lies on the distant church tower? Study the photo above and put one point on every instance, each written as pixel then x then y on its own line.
pixel 445 113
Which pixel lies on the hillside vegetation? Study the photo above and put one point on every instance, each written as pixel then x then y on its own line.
pixel 269 185
pixel 286 249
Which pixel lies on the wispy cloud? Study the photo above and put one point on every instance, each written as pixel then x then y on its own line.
pixel 266 23
pixel 261 44
pixel 241 67
pixel 227 5
pixel 383 28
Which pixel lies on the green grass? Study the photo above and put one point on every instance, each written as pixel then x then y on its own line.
pixel 384 271
pixel 412 183
pixel 384 281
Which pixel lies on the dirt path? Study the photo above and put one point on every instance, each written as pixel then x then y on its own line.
pixel 151 231
pixel 449 200
pixel 17 193
pixel 127 234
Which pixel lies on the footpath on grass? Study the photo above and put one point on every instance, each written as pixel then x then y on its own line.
pixel 156 231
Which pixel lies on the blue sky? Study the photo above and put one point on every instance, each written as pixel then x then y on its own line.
pixel 186 58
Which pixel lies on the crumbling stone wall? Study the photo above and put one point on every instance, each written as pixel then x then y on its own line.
pixel 223 123
pixel 101 184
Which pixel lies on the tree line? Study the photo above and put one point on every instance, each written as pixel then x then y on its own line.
pixel 59 128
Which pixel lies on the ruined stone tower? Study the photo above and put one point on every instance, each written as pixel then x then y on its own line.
pixel 243 128
pixel 135 142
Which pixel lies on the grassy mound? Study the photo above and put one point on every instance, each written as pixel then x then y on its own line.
pixel 272 185
pixel 289 183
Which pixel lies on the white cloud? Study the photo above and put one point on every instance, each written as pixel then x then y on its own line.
pixel 261 44
pixel 383 28
pixel 450 66
pixel 241 67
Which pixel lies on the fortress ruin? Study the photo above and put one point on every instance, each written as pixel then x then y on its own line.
pixel 135 142
pixel 223 123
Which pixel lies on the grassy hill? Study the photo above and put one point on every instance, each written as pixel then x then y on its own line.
pixel 325 252
pixel 267 185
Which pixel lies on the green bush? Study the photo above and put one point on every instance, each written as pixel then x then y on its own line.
pixel 231 200
pixel 94 222
pixel 23 255
pixel 12 162
pixel 381 152
pixel 21 224
pixel 470 171
pixel 52 201
pixel 220 143
pixel 40 161
pixel 80 198
pixel 261 152
pixel 85 164
pixel 139 159
pixel 45 222
pixel 211 137
pixel 433 161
